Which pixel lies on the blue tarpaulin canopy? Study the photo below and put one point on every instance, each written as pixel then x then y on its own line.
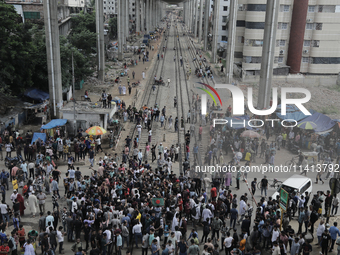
pixel 323 122
pixel 292 113
pixel 54 123
pixel 36 136
pixel 37 94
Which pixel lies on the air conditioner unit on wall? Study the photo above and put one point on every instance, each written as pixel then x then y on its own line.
pixel 305 51
pixel 282 52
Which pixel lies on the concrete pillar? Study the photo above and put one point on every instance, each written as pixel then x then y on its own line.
pixel 122 19
pixel 231 40
pixel 53 57
pixel 100 39
pixel 142 16
pixel 127 18
pixel 215 31
pixel 195 18
pixel 190 16
pixel 147 17
pixel 184 6
pixel 297 32
pixel 120 30
pixel 137 16
pixel 206 24
pixel 200 22
pixel 268 50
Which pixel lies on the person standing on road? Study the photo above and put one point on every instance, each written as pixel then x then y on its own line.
pixel 168 82
pixel 143 74
pixel 133 75
pixel 264 185
pixel 253 186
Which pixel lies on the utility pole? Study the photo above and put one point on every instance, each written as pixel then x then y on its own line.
pixel 206 24
pixel 215 33
pixel 268 50
pixel 53 57
pixel 231 40
pixel 120 31
pixel 74 99
pixel 100 39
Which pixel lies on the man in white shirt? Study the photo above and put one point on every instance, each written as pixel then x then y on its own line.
pixel 242 211
pixel 227 243
pixel 137 231
pixel 139 130
pixel 60 237
pixel 23 167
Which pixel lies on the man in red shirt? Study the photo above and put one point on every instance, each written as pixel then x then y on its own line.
pixel 213 193
pixel 4 249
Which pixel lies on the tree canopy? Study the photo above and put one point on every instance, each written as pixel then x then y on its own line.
pixel 23 58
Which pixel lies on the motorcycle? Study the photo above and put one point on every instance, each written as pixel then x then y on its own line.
pixel 13 160
pixel 293 147
pixel 135 84
pixel 159 82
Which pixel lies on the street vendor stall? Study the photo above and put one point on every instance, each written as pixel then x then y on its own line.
pixel 53 126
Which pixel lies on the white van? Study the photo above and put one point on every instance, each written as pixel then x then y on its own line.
pixel 299 183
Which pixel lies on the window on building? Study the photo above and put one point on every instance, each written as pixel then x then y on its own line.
pixel 320 9
pixel 104 2
pixel 32 15
pixel 240 23
pixel 309 26
pixel 305 59
pixel 254 25
pixel 240 7
pixel 311 8
pixel 256 7
pixel 284 8
pixel 316 43
pixel 240 39
pixel 224 19
pixel 253 43
pixel 104 8
pixel 282 42
pixel 133 10
pixel 337 8
pixel 282 25
pixel 224 27
pixel 224 38
pixel 280 59
pixel 318 26
pixel 326 60
pixel 238 54
pixel 225 8
pixel 328 8
pixel 133 4
pixel 306 43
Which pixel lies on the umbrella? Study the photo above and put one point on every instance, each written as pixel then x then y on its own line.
pixel 96 130
pixel 307 125
pixel 250 134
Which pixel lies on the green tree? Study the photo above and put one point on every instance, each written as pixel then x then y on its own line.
pixel 84 21
pixel 85 40
pixel 16 49
pixel 113 27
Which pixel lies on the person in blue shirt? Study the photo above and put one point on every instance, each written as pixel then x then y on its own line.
pixel 334 232
pixel 127 219
pixel 4 177
pixel 166 233
pixel 165 250
pixel 3 193
pixel 154 247
pixel 193 231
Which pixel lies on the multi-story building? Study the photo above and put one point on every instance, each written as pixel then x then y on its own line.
pixel 307 38
pixel 222 22
pixel 110 7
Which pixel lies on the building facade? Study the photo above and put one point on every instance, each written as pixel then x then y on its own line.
pixel 222 22
pixel 307 37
